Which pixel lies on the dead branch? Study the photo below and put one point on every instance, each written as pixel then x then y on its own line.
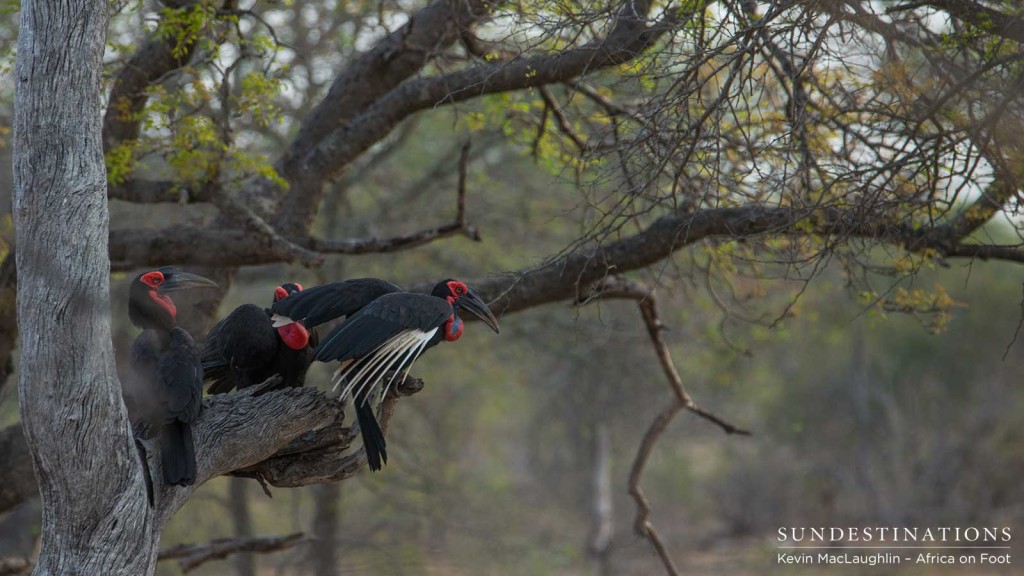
pixel 323 455
pixel 192 556
pixel 619 287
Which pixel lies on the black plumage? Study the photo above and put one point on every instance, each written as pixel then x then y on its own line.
pixel 386 336
pixel 246 349
pixel 165 392
pixel 321 304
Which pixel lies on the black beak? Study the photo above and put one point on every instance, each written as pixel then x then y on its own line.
pixel 178 280
pixel 474 304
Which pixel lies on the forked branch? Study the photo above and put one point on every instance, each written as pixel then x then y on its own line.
pixel 617 287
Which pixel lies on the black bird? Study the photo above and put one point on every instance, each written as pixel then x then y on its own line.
pixel 245 349
pixel 388 335
pixel 321 304
pixel 167 397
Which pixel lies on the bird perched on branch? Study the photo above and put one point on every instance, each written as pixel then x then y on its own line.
pixel 168 375
pixel 245 349
pixel 385 336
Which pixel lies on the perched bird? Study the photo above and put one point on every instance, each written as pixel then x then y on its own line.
pixel 245 349
pixel 167 387
pixel 321 304
pixel 387 335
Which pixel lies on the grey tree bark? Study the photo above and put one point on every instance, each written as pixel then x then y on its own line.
pixel 75 424
pixel 97 518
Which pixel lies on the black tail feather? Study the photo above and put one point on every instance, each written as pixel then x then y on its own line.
pixel 218 374
pixel 373 437
pixel 178 454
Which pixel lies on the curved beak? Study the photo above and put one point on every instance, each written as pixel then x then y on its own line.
pixel 474 304
pixel 179 280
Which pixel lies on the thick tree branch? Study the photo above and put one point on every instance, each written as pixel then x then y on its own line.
pixel 987 19
pixel 323 455
pixel 240 429
pixel 391 62
pixel 630 37
pixel 143 191
pixel 189 245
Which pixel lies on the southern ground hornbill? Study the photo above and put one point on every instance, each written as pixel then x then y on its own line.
pixel 245 348
pixel 385 336
pixel 166 396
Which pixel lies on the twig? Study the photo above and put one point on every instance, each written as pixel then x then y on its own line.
pixel 191 556
pixel 407 241
pixel 561 119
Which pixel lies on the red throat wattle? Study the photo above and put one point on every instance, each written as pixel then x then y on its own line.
pixel 295 335
pixel 453 328
pixel 165 302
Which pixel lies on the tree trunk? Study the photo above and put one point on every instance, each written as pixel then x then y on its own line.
pixel 325 529
pixel 603 521
pixel 95 515
pixel 238 497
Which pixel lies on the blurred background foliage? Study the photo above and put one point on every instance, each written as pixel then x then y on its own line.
pixel 887 399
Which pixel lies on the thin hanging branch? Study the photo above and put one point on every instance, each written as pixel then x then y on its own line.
pixel 618 287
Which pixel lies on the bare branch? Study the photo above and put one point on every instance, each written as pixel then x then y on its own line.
pixel 619 287
pixel 629 38
pixel 321 455
pixel 563 121
pixel 240 429
pixel 192 556
pixel 153 191
pixel 391 62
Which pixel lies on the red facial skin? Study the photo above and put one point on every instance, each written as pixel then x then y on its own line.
pixel 154 280
pixel 457 290
pixel 280 293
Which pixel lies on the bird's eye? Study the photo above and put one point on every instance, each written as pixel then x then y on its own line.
pixel 460 290
pixel 152 279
